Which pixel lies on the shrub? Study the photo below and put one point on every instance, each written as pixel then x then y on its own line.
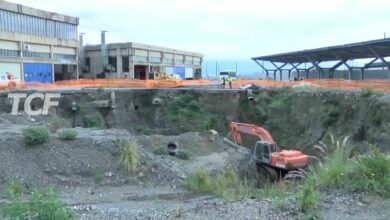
pixel 67 134
pixel 332 173
pixel 370 173
pixel 14 189
pixel 93 120
pixel 56 123
pixel 128 156
pixel 226 185
pixel 261 114
pixel 276 191
pixel 35 135
pixel 200 181
pixel 41 206
pixel 369 92
pixel 308 197
pixel 184 155
pixel 194 106
pixel 363 173
pixel 211 122
pixel 160 151
pixel 376 118
pixel 98 177
pixel 331 115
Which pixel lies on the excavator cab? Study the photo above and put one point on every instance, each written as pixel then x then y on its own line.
pixel 263 152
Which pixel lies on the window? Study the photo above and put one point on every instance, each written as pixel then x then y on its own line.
pixel 155 59
pixel 15 22
pixel 36 55
pixel 168 60
pixel 140 58
pixel 125 64
pixel 112 63
pixel 9 53
pixel 58 56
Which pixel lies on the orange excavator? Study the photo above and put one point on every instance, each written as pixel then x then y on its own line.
pixel 277 163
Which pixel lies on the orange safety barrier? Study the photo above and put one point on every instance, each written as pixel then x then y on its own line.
pixel 337 84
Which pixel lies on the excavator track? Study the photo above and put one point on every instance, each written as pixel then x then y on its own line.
pixel 271 174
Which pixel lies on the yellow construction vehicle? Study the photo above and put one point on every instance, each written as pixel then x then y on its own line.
pixel 164 76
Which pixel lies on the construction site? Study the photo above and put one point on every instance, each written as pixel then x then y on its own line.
pixel 133 131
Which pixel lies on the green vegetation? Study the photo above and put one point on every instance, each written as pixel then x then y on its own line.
pixel 277 191
pixel 331 114
pixel 14 189
pixel 184 154
pixel 261 113
pixel 67 134
pixel 370 173
pixel 41 207
pixel 333 170
pixel 369 92
pixel 227 185
pixel 35 135
pixel 56 122
pixel 200 181
pixel 282 100
pixel 93 120
pixel 160 151
pixel 98 177
pixel 128 156
pixel 308 198
pixel 212 122
pixel 186 105
pixel 362 173
pixel 376 117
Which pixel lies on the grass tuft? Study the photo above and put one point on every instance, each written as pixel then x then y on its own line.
pixel 14 189
pixel 128 156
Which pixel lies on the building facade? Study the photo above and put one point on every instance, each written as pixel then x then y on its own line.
pixel 139 61
pixel 37 45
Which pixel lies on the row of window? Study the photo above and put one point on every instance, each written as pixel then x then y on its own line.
pixel 58 56
pixel 35 55
pixel 165 60
pixel 9 53
pixel 15 22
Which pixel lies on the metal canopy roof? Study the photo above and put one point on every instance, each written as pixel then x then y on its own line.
pixel 361 50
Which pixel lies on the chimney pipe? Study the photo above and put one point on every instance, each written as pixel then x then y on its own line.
pixel 82 53
pixel 104 50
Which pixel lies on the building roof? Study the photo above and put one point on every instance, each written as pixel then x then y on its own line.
pixel 361 50
pixel 22 9
pixel 142 47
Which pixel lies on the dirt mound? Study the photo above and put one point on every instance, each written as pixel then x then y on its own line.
pixel 93 155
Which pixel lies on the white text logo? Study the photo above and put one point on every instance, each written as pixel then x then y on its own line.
pixel 46 98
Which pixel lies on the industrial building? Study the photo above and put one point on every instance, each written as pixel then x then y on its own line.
pixel 137 61
pixel 37 45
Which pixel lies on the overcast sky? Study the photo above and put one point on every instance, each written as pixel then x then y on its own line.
pixel 228 29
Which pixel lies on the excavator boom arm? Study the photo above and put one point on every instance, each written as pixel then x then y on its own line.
pixel 238 128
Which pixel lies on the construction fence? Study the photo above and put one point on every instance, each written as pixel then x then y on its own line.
pixel 335 84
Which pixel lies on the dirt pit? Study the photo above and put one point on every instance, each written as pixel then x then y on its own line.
pixel 87 176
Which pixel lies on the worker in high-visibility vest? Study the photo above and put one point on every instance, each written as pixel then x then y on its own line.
pixel 223 82
pixel 230 81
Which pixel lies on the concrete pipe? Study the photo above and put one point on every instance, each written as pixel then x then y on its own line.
pixel 173 148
